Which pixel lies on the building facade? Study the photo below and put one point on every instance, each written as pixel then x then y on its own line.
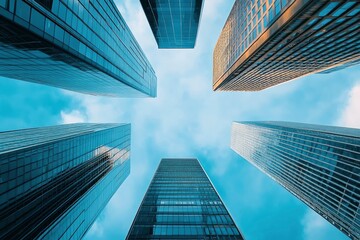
pixel 174 23
pixel 182 203
pixel 79 45
pixel 268 42
pixel 318 164
pixel 55 181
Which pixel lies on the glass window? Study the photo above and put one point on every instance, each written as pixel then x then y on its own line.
pixel 322 23
pixel 49 28
pixel 37 19
pixel 277 7
pixel 45 3
pixel 23 10
pixel 4 3
pixel 62 11
pixel 259 28
pixel 343 8
pixel 265 20
pixel 354 12
pixel 271 13
pixel 328 9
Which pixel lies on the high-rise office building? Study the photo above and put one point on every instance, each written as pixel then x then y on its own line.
pixel 182 203
pixel 174 23
pixel 268 42
pixel 318 164
pixel 83 46
pixel 55 181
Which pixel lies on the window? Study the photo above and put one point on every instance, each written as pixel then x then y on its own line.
pixel 37 19
pixel 354 12
pixel 4 3
pixel 277 7
pixel 271 14
pixel 328 9
pixel 45 3
pixel 259 28
pixel 22 10
pixel 265 21
pixel 343 8
pixel 49 28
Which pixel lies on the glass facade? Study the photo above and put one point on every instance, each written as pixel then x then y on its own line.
pixel 318 164
pixel 182 203
pixel 55 181
pixel 267 42
pixel 79 45
pixel 174 23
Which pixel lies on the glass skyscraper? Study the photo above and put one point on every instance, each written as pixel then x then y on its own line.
pixel 55 181
pixel 174 23
pixel 79 45
pixel 182 203
pixel 318 164
pixel 267 42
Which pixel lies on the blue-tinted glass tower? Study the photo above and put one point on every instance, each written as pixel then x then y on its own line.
pixel 79 45
pixel 174 23
pixel 55 181
pixel 182 203
pixel 268 42
pixel 318 164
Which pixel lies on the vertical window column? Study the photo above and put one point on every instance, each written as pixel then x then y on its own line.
pixel 4 4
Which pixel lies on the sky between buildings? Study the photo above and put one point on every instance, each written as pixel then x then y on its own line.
pixel 188 119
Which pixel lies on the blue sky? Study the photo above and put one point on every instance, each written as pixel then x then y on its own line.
pixel 188 119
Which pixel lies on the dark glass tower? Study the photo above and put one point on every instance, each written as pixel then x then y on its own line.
pixel 318 164
pixel 174 23
pixel 55 181
pixel 83 46
pixel 182 203
pixel 265 43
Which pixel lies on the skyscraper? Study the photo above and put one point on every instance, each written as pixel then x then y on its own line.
pixel 318 164
pixel 82 46
pixel 265 43
pixel 182 203
pixel 174 23
pixel 56 180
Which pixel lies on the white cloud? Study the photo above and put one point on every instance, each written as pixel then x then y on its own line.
pixel 351 115
pixel 315 226
pixel 74 116
pixel 96 229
